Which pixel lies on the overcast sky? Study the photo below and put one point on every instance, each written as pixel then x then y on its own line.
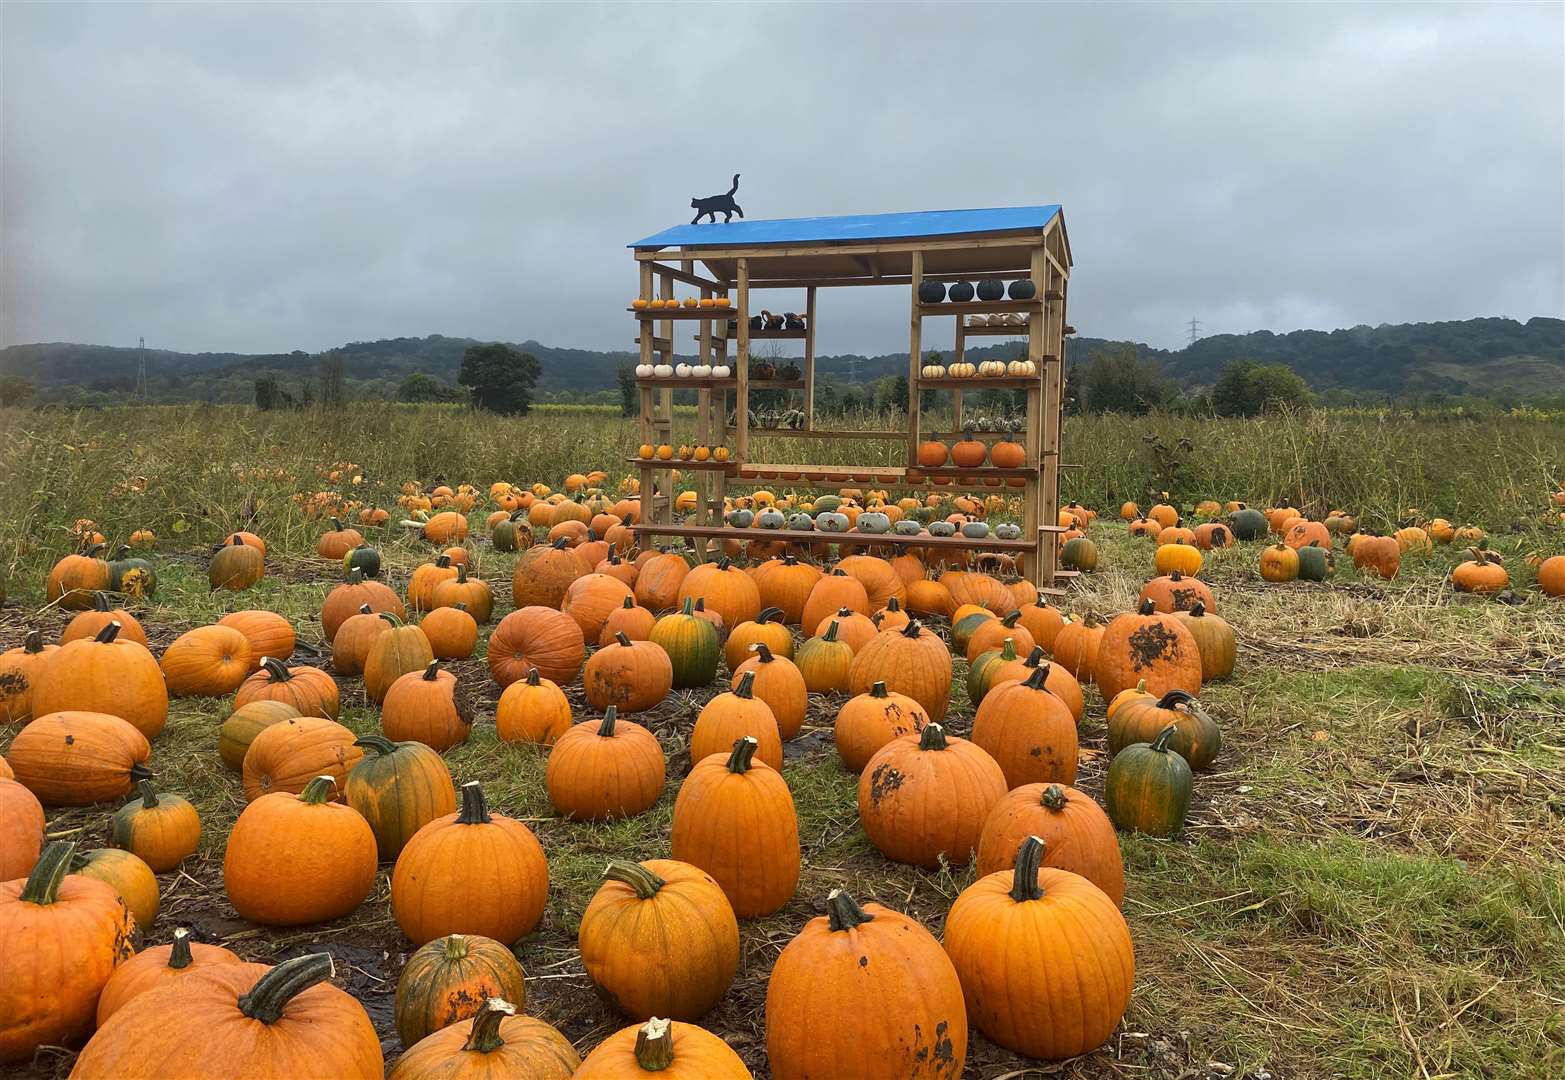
pixel 264 178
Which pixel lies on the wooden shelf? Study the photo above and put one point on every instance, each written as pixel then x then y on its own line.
pixel 826 474
pixel 683 313
pixel 858 539
pixel 683 464
pixel 1019 330
pixel 985 479
pixel 977 474
pixel 979 307
pixel 687 382
pixel 778 335
pixel 978 382
pixel 776 384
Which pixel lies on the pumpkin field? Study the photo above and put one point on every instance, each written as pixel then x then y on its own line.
pixel 387 698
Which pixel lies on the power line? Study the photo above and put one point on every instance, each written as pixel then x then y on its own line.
pixel 1195 331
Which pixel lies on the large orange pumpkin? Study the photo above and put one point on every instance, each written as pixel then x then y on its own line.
pixel 536 637
pixel 21 828
pixel 666 1049
pixel 269 634
pixel 287 755
pixel 533 710
pixel 543 575
pixel 631 675
pixel 447 980
pixel 923 797
pixel 309 690
pixel 605 769
pixel 156 968
pixel 1147 646
pixel 816 1022
pixel 725 589
pixel 19 671
pixel 911 661
pixel 496 1042
pixel 79 758
pixel 209 661
pixel 1078 836
pixel 103 674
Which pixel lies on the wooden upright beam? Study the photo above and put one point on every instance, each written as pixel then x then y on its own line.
pixel 742 366
pixel 809 358
pixel 914 358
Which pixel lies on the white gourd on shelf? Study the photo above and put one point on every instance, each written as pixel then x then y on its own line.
pixel 701 371
pixel 663 371
pixel 644 371
pixel 721 371
pixel 933 371
pixel 682 370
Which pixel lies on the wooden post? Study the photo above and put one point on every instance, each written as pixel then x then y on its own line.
pixel 809 359
pixel 915 346
pixel 1053 417
pixel 742 367
pixel 958 354
pixel 1034 508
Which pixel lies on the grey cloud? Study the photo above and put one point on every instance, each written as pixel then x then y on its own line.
pixel 276 177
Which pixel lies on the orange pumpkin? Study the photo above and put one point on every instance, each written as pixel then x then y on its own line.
pixel 1147 646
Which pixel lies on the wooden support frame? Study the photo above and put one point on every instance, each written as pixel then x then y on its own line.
pixel 1040 255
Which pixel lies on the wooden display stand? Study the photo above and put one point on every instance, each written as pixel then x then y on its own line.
pixel 891 250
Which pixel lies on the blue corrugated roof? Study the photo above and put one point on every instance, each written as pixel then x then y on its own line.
pixel 814 230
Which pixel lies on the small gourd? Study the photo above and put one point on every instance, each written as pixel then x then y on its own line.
pixel 663 371
pixel 873 522
pixel 644 371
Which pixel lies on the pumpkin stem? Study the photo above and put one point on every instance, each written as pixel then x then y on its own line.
pixel 108 633
pixel 442 560
pixel 365 609
pixel 1147 607
pixel 690 606
pixel 1008 649
pixel 619 636
pixel 844 613
pixel 761 649
pixel 474 810
pixel 43 883
pixel 461 573
pixel 843 912
pixel 276 669
pixel 1160 744
pixel 533 677
pixel 355 576
pixel 746 687
pixel 336 524
pixel 1198 609
pixel 431 670
pixel 771 614
pixel 1010 620
pixel 1024 881
pixel 744 751
pixel 655 1045
pixel 272 992
pixel 933 737
pixel 1054 797
pixel 139 772
pixel 485 1036
pixel 878 690
pixel 630 600
pixel 318 791
pixel 1036 679
pixel 391 618
pixel 638 877
pixel 179 952
pixel 831 632
pixel 893 604
pixel 606 729
pixel 100 601
pixel 454 946
pixel 912 628
pixel 149 796
pixel 378 743
pixel 1176 697
pixel 33 642
pixel 1035 658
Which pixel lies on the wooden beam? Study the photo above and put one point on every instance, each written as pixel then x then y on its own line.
pixel 742 367
pixel 914 357
pixel 809 357
pixel 686 273
pixel 1024 238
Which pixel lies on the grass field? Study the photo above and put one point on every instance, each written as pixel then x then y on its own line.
pixel 1371 881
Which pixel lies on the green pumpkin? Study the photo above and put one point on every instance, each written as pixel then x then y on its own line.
pixel 1148 787
pixel 132 576
pixel 366 560
pixel 826 503
pixel 872 521
pixel 975 530
pixel 1248 524
pixel 1079 553
pixel 513 534
pixel 398 787
pixel 1316 563
pixel 692 646
pixel 980 673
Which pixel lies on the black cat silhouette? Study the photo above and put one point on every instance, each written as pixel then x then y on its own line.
pixel 712 205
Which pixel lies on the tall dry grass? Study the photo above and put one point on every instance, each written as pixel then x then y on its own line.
pixel 188 470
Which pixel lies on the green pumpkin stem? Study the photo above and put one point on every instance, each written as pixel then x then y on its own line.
pixel 1148 607
pixel 442 560
pixel 1160 744
pixel 271 993
pixel 655 1045
pixel 932 738
pixel 454 946
pixel 912 629
pixel 630 598
pixel 139 772
pixel 276 669
pixel 1035 658
pixel 43 883
pixel 1174 698
pixel 485 1036
pixel 533 677
pixel 474 810
pixel 108 633
pixel 1009 621
pixel 619 636
pixel 365 609
pixel 690 606
pixel 606 728
pixel 771 614
pixel 149 796
pixel 843 912
pixel 179 951
pixel 764 651
pixel 1024 881
pixel 1008 649
pixel 744 752
pixel 391 617
pixel 1197 610
pixel 638 877
pixel 378 743
pixel 318 791
pixel 746 687
pixel 1054 797
pixel 355 576
pixel 831 632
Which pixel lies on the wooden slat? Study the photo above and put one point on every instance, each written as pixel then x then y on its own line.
pixel 689 277
pixel 915 357
pixel 980 307
pixel 827 433
pixel 1020 239
pixel 809 357
pixel 795 536
pixel 664 314
pixel 981 382
pixel 683 465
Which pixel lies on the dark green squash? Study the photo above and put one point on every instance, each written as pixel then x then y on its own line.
pixel 1148 787
pixel 1316 563
pixel 1022 289
pixel 692 646
pixel 1248 524
pixel 366 560
pixel 961 292
pixel 991 289
pixel 398 787
pixel 513 534
pixel 1079 553
pixel 131 575
pixel 931 292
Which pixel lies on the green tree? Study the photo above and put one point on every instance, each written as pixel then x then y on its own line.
pixel 334 394
pixel 1247 388
pixel 629 400
pixel 1118 380
pixel 501 378
pixel 15 390
pixel 268 394
pixel 421 387
pixel 891 393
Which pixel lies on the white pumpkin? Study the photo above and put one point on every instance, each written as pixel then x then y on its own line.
pixel 644 371
pixel 933 371
pixel 663 371
pixel 700 371
pixel 991 368
pixel 721 371
pixel 682 370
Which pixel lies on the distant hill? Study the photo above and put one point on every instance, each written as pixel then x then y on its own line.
pixel 1482 357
